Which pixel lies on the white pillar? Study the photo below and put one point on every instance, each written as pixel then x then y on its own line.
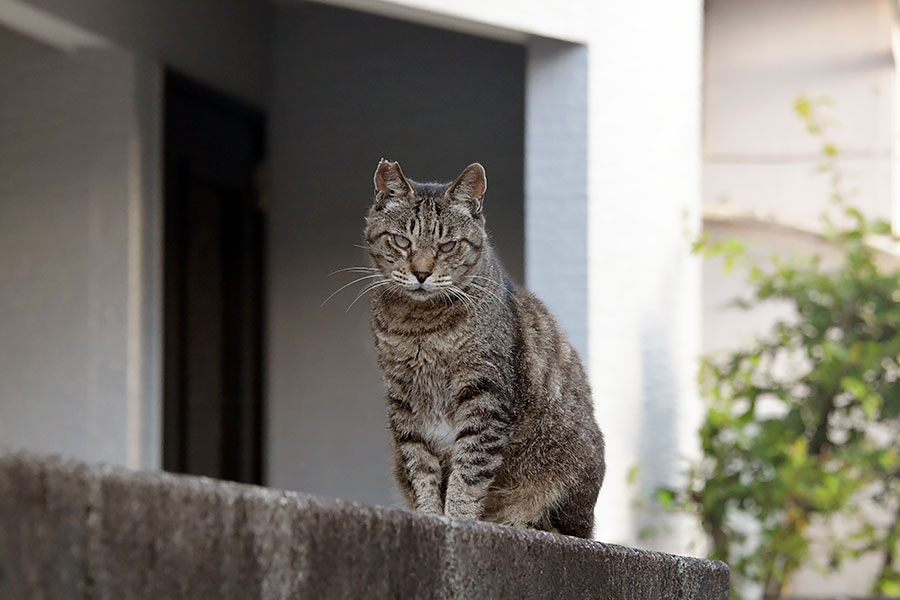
pixel 645 66
pixel 556 183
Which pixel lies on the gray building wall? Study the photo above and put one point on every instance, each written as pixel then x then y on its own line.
pixel 556 215
pixel 85 327
pixel 348 89
pixel 68 158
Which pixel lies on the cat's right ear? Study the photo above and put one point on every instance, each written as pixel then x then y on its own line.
pixel 389 183
pixel 469 188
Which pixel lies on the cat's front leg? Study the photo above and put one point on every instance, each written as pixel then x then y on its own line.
pixel 467 488
pixel 476 456
pixel 418 469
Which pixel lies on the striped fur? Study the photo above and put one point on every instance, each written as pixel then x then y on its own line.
pixel 488 403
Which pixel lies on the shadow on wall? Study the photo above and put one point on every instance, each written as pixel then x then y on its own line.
pixel 666 424
pixel 348 89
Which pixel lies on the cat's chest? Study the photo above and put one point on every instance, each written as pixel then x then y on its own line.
pixel 423 371
pixel 427 359
pixel 439 430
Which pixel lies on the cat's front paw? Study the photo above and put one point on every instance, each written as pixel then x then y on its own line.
pixel 431 509
pixel 465 510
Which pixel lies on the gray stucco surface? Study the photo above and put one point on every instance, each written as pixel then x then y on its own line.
pixel 67 153
pixel 73 530
pixel 556 197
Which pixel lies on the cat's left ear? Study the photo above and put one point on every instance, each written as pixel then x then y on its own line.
pixel 469 188
pixel 390 183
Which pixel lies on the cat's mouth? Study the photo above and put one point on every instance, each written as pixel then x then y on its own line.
pixel 419 293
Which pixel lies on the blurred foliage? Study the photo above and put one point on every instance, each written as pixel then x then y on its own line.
pixel 802 426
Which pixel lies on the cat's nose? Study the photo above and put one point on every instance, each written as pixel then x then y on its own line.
pixel 421 275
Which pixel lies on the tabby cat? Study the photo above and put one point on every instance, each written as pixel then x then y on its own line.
pixel 488 403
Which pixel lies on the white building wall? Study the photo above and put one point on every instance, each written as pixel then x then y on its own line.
pixel 644 189
pixel 760 56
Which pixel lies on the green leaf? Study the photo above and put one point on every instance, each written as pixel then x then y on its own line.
pixel 871 404
pixel 665 498
pixel 881 228
pixel 890 589
pixel 633 473
pixel 803 107
pixel 855 386
pixel 888 459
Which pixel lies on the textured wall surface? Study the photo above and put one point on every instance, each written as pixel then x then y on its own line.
pixel 68 156
pixel 349 89
pixel 72 530
pixel 80 231
pixel 556 207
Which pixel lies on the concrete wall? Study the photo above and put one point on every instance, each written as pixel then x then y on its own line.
pixel 760 56
pixel 348 89
pixel 69 197
pixel 644 188
pixel 77 531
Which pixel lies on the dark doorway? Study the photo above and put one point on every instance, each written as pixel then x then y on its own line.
pixel 214 280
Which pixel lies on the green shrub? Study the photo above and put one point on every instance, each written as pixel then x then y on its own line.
pixel 782 448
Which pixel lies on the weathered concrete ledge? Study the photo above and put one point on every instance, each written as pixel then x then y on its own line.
pixel 73 530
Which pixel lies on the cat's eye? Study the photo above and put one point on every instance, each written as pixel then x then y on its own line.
pixel 401 241
pixel 447 246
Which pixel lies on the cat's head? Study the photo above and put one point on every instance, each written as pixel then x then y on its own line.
pixel 427 238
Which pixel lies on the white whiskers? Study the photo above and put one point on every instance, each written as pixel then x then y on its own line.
pixel 486 291
pixel 489 280
pixel 467 299
pixel 368 288
pixel 441 287
pixel 346 285
pixel 353 270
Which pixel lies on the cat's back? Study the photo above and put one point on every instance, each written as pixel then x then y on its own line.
pixel 560 409
pixel 551 361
